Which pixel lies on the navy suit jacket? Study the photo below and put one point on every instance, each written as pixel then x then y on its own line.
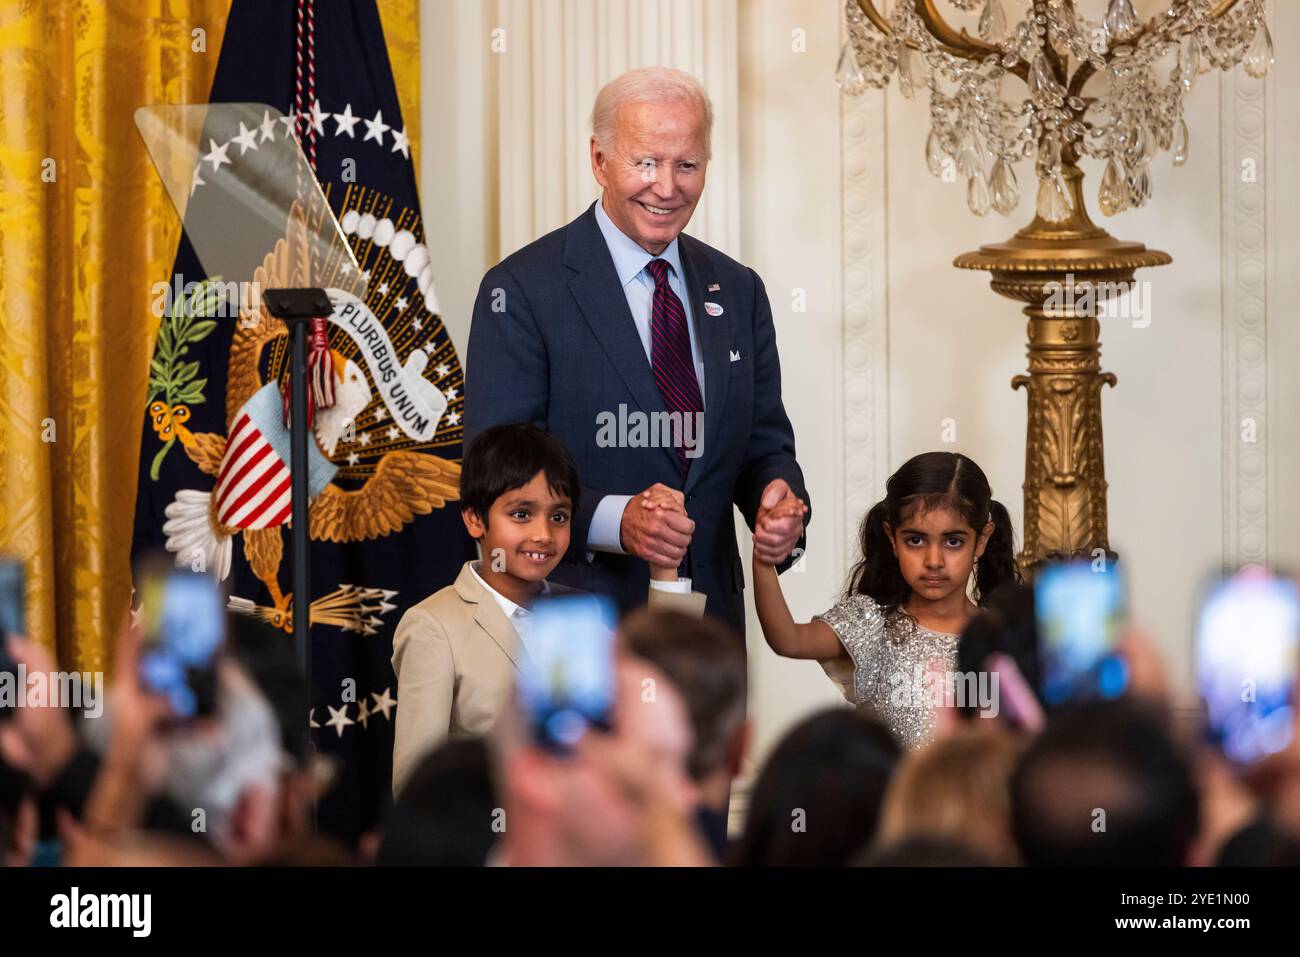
pixel 553 343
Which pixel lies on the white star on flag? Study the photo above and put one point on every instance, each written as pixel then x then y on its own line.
pixel 393 433
pixel 363 439
pixel 383 703
pixel 417 325
pixel 346 122
pixel 383 289
pixel 289 122
pixel 381 413
pixel 453 418
pixel 376 128
pixel 318 118
pixel 267 126
pixel 363 713
pixel 400 142
pixel 246 139
pixel 353 458
pixel 311 719
pixel 217 155
pixel 401 304
pixel 338 718
pixel 441 370
pixel 198 180
pixel 450 394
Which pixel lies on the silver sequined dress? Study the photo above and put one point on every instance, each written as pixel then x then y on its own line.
pixel 889 657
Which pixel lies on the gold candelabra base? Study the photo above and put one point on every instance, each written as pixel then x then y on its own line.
pixel 1065 272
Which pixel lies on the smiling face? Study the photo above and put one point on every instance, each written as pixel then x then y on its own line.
pixel 524 538
pixel 936 550
pixel 653 172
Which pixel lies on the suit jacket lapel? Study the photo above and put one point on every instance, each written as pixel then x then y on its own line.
pixel 489 616
pixel 600 297
pixel 714 337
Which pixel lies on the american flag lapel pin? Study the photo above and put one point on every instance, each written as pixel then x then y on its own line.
pixel 714 287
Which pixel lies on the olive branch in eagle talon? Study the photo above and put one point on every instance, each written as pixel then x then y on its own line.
pixel 170 376
pixel 400 486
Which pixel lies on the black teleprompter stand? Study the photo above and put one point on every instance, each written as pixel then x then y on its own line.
pixel 297 308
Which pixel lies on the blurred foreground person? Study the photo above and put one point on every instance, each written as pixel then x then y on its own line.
pixel 220 775
pixel 305 774
pixel 446 814
pixel 620 798
pixel 817 799
pixel 923 852
pixel 18 818
pixel 705 660
pixel 955 789
pixel 1105 784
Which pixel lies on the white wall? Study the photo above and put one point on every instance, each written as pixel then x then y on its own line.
pixel 832 197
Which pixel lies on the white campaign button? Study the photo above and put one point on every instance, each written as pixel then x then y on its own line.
pixel 713 309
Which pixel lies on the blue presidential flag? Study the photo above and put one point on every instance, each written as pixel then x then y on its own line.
pixel 385 464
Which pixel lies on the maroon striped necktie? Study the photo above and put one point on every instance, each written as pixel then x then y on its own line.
pixel 670 355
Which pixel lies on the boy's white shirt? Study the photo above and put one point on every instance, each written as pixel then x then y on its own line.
pixel 521 619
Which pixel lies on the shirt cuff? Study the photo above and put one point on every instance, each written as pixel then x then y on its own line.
pixel 681 587
pixel 603 534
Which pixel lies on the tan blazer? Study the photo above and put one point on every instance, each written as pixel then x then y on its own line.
pixel 456 655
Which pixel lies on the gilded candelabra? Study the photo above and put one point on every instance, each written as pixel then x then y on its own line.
pixel 1091 88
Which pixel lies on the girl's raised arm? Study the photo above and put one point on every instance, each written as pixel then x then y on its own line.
pixel 785 636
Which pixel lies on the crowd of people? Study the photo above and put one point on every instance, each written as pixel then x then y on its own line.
pixel 894 780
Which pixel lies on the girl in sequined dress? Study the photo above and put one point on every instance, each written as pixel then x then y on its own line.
pixel 937 540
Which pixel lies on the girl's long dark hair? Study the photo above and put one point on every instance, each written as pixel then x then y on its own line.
pixel 933 480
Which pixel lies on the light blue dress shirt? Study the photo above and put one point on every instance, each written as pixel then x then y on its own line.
pixel 639 287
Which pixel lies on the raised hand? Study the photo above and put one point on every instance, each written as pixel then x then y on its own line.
pixel 779 523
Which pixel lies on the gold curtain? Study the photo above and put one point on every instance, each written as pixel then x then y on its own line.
pixel 86 229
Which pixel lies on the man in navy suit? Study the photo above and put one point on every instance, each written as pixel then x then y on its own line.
pixel 652 357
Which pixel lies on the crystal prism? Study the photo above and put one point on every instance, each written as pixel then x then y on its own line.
pixel 993 22
pixel 969 156
pixel 849 74
pixel 1006 191
pixel 1181 137
pixel 1054 200
pixel 1042 82
pixel 1111 195
pixel 1189 62
pixel 1142 188
pixel 934 155
pixel 905 77
pixel 1049 155
pixel 977 193
pixel 1260 56
pixel 1121 19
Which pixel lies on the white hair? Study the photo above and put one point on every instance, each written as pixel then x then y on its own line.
pixel 651 84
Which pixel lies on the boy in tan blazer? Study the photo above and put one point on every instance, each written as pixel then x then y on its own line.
pixel 457 652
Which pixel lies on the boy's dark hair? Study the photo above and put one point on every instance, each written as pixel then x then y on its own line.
pixel 506 457
pixel 834 766
pixel 1114 756
pixel 705 660
pixel 927 481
